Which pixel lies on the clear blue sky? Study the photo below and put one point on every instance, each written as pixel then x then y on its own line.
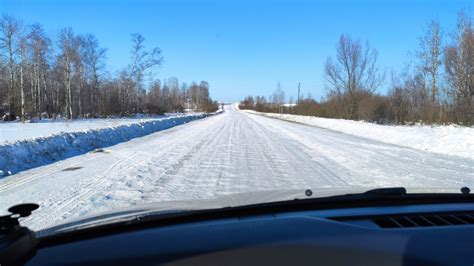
pixel 244 47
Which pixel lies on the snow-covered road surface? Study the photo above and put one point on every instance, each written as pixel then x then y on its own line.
pixel 229 153
pixel 443 139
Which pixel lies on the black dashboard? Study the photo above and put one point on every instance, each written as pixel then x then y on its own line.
pixel 436 234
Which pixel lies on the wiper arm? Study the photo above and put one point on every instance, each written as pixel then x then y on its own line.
pixel 396 193
pixel 401 191
pixel 391 191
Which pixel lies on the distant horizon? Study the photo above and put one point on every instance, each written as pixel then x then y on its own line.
pixel 245 48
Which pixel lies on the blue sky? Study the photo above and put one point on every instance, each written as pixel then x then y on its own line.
pixel 244 47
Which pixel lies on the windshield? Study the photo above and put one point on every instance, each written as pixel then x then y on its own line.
pixel 106 105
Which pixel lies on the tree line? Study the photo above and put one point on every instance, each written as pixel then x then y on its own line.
pixel 66 75
pixel 438 87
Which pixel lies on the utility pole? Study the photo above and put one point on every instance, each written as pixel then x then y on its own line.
pixel 298 100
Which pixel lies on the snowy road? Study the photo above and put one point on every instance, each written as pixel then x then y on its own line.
pixel 228 153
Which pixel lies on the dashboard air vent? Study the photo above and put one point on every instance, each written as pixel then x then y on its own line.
pixel 424 220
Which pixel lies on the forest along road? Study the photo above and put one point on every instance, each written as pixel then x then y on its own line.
pixel 228 153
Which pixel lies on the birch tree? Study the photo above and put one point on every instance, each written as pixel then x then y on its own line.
pixel 430 55
pixel 23 51
pixel 68 51
pixel 65 75
pixel 9 37
pixel 94 57
pixel 278 97
pixel 39 45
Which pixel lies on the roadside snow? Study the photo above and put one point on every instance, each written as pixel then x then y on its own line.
pixel 28 153
pixel 14 131
pixel 449 140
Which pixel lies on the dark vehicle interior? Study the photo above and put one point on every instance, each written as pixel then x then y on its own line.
pixel 383 226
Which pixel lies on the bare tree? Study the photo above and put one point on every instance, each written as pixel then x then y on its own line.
pixel 23 50
pixel 10 29
pixel 142 61
pixel 353 73
pixel 459 67
pixel 278 97
pixel 80 73
pixel 177 99
pixel 430 55
pixel 39 45
pixel 94 57
pixel 70 79
pixel 68 46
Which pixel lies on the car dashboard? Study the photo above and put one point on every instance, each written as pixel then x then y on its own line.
pixel 428 234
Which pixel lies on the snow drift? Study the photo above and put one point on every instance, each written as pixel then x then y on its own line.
pixel 26 154
pixel 15 131
pixel 449 140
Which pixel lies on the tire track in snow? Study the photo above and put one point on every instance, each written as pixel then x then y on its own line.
pixel 365 162
pixel 57 203
pixel 17 181
pixel 301 163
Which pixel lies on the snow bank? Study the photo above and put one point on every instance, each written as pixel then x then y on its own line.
pixel 449 140
pixel 29 153
pixel 14 131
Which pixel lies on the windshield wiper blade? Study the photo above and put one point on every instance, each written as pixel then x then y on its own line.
pixel 393 191
pixel 401 191
pixel 398 193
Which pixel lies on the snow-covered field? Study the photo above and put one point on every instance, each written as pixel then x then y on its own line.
pixel 224 154
pixel 38 144
pixel 450 140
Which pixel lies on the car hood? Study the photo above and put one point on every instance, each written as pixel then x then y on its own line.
pixel 231 200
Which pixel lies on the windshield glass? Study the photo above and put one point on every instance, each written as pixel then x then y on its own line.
pixel 106 105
